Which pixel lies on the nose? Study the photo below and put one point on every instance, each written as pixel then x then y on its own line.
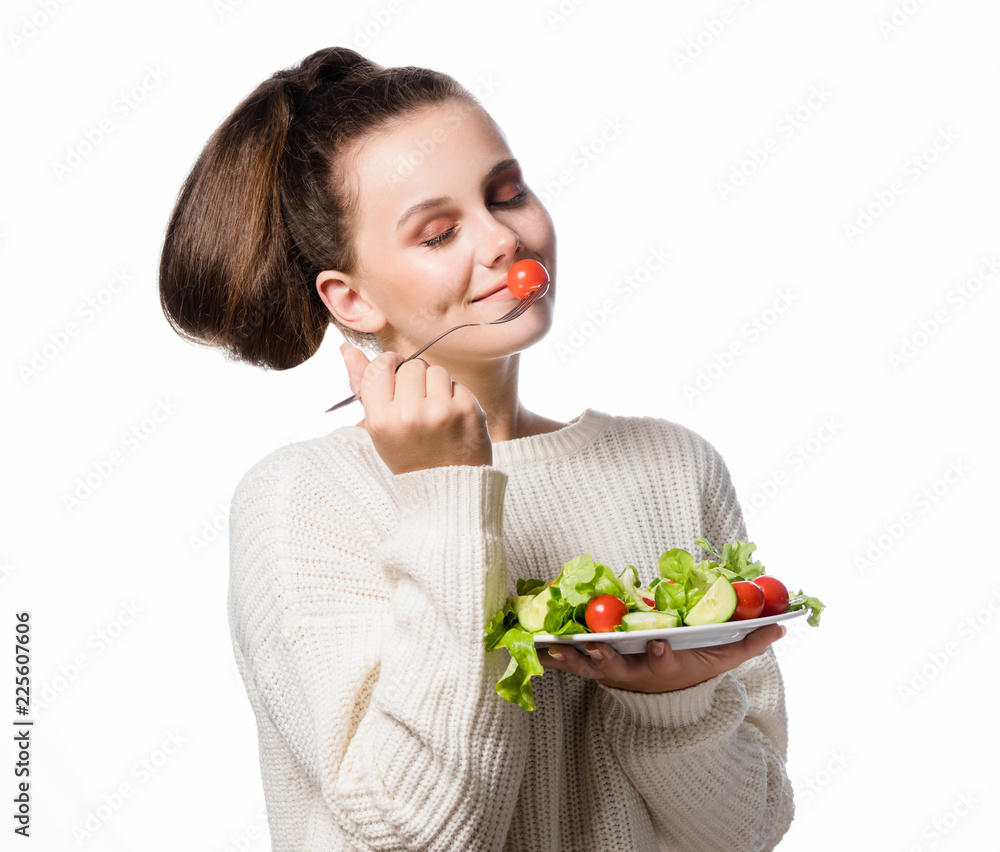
pixel 499 241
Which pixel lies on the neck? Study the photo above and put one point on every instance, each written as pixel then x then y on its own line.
pixel 495 385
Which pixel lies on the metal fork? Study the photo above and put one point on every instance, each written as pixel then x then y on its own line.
pixel 514 313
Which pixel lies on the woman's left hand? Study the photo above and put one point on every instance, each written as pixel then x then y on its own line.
pixel 660 669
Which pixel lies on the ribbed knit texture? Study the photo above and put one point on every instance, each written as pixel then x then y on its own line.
pixel 357 604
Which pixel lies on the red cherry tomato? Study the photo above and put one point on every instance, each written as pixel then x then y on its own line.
pixel 525 276
pixel 775 595
pixel 649 602
pixel 604 613
pixel 749 600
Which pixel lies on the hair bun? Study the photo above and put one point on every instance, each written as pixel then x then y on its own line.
pixel 334 65
pixel 334 76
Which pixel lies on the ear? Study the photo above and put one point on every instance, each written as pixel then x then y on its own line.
pixel 339 293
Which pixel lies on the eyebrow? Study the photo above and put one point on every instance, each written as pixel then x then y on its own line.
pixel 429 203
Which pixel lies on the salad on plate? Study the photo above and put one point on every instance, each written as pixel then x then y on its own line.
pixel 687 598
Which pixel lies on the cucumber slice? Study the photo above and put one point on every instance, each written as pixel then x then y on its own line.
pixel 717 606
pixel 519 602
pixel 649 621
pixel 532 613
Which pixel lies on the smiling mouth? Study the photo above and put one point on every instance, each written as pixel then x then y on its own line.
pixel 501 289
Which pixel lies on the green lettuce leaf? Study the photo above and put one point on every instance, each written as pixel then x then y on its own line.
pixel 671 597
pixel 502 621
pixel 801 601
pixel 569 628
pixel 734 562
pixel 632 593
pixel 530 587
pixel 559 611
pixel 582 579
pixel 676 564
pixel 681 586
pixel 703 575
pixel 515 684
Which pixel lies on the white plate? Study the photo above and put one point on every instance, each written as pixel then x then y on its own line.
pixel 704 636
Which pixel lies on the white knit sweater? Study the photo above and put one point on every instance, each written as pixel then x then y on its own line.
pixel 357 605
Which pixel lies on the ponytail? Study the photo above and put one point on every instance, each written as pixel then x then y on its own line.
pixel 265 208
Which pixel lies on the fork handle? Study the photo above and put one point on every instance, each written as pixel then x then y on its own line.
pixel 341 404
pixel 423 349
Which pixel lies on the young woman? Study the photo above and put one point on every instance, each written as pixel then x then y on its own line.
pixel 365 563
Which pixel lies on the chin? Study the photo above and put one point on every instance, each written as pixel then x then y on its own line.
pixel 536 327
pixel 542 330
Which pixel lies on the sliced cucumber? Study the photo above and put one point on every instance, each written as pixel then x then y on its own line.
pixel 717 606
pixel 649 621
pixel 519 602
pixel 531 613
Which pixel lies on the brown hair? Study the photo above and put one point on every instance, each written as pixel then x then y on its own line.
pixel 267 207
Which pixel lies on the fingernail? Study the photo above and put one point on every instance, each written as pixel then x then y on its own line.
pixel 784 630
pixel 656 648
pixel 595 654
pixel 557 655
pixel 344 347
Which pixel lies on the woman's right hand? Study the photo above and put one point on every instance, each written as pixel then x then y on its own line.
pixel 419 417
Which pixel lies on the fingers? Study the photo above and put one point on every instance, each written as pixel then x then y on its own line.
pixel 356 362
pixel 417 380
pixel 567 658
pixel 758 641
pixel 594 660
pixel 390 379
pixel 378 383
pixel 410 383
pixel 611 666
pixel 439 383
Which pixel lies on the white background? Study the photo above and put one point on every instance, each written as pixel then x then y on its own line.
pixel 858 422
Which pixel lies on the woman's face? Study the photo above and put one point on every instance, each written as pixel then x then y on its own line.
pixel 444 212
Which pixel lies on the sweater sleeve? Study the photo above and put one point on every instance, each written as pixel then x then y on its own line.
pixel 366 649
pixel 708 761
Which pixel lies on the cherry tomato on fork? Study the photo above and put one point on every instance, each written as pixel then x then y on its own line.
pixel 526 276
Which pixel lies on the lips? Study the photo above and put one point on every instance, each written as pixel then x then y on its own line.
pixel 500 288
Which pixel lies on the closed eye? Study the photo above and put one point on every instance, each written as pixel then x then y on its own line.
pixel 510 202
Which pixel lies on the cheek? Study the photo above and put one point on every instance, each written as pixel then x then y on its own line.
pixel 544 228
pixel 427 313
pixel 427 296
